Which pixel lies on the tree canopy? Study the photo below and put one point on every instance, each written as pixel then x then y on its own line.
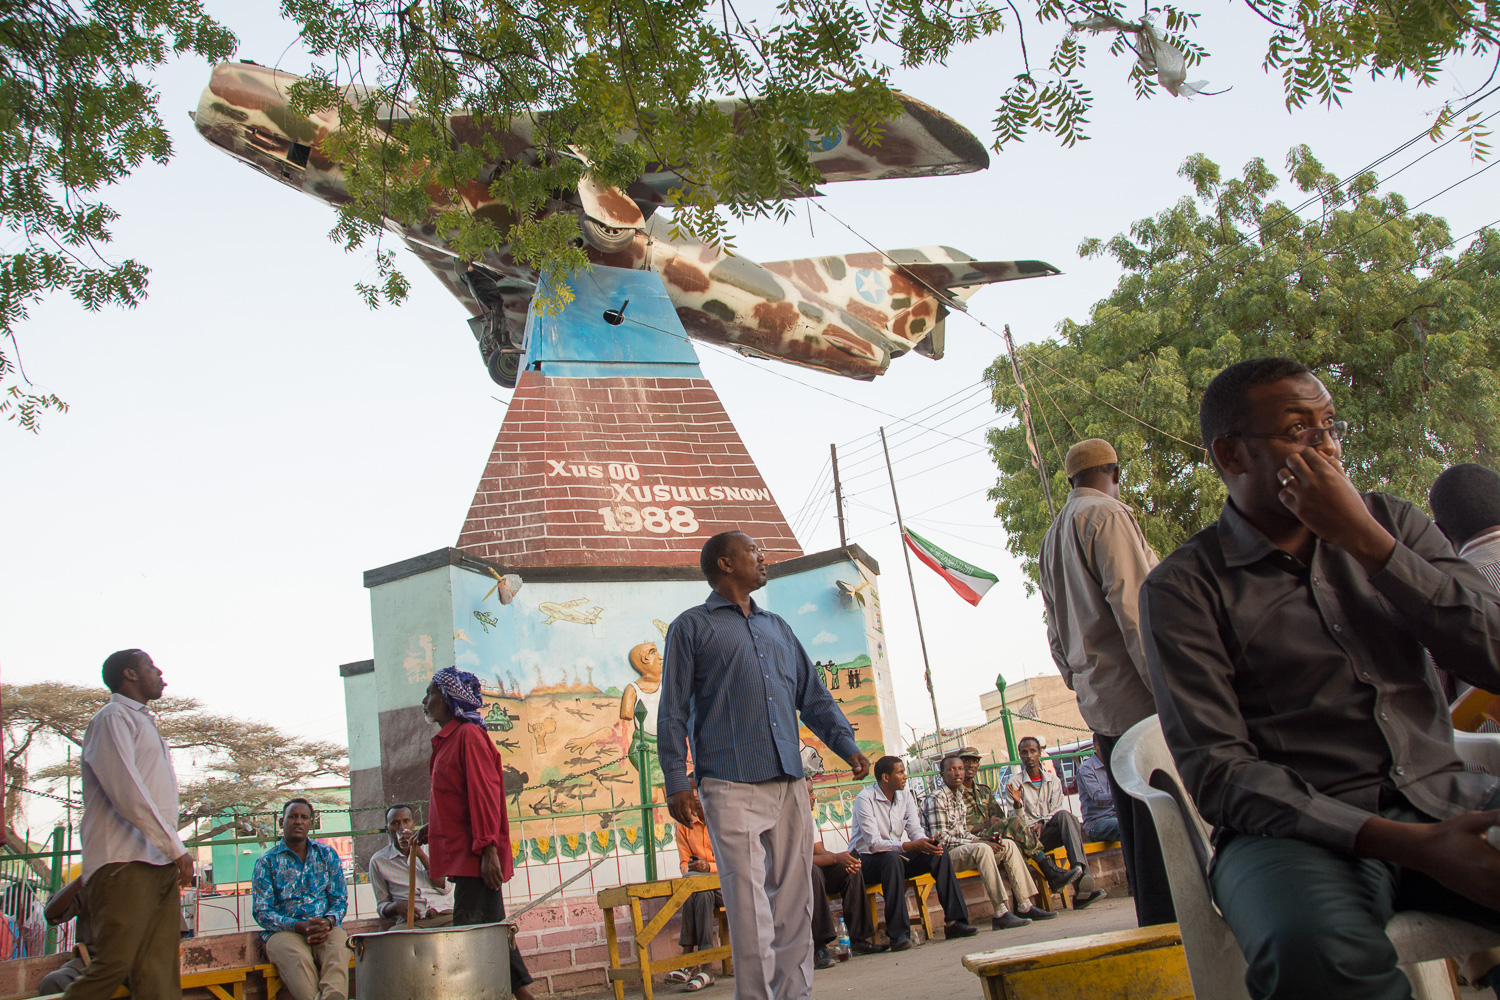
pixel 626 84
pixel 225 765
pixel 77 114
pixel 621 84
pixel 1363 290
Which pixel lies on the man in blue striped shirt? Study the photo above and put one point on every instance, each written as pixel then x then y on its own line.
pixel 735 679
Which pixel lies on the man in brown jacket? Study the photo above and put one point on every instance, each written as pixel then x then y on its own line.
pixel 1093 561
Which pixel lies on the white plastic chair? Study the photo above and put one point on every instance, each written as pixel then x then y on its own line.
pixel 1144 768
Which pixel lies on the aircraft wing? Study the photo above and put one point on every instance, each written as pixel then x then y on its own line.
pixel 920 142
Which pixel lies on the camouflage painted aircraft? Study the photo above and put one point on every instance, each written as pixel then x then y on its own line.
pixel 848 315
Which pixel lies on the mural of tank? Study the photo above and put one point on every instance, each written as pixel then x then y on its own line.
pixel 846 315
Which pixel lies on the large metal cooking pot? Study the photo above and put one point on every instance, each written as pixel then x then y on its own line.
pixel 434 963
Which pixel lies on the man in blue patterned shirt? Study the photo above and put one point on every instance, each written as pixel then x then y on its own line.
pixel 739 675
pixel 300 899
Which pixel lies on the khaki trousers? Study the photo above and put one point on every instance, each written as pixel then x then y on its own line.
pixel 137 924
pixel 762 834
pixel 311 972
pixel 981 857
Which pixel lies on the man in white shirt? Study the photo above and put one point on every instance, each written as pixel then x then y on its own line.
pixel 1037 795
pixel 390 875
pixel 133 860
pixel 888 839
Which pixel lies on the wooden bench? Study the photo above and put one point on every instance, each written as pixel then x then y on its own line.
pixel 1059 854
pixel 922 885
pixel 214 980
pixel 1142 963
pixel 675 892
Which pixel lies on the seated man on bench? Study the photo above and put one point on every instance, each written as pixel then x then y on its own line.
pixel 888 839
pixel 1285 643
pixel 300 899
pixel 1037 795
pixel 945 816
pixel 390 874
pixel 840 872
pixel 696 853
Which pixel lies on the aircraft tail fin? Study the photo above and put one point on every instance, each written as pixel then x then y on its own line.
pixel 907 292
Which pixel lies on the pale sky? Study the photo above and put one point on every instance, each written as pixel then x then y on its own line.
pixel 251 439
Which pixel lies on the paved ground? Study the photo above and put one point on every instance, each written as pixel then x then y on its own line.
pixel 935 969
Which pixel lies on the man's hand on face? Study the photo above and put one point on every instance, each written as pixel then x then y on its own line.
pixel 1315 489
pixel 684 807
pixel 861 765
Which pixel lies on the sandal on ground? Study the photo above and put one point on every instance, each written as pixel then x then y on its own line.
pixel 701 981
pixel 677 977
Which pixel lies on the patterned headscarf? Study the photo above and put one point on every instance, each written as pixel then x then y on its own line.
pixel 461 690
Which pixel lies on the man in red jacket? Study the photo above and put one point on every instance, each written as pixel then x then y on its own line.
pixel 467 834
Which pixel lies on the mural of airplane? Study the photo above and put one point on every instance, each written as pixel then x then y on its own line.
pixel 567 612
pixel 847 315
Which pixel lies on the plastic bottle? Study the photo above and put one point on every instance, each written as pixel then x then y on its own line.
pixel 843 950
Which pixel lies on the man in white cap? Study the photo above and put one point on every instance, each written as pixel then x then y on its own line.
pixel 1093 561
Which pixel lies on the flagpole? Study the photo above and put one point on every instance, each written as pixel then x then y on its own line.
pixel 921 638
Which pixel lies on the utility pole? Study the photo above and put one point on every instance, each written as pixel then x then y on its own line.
pixel 926 664
pixel 1031 441
pixel 838 494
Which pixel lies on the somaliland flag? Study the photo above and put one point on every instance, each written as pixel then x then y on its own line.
pixel 968 580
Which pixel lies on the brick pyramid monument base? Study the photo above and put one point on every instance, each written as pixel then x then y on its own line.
pixel 616 451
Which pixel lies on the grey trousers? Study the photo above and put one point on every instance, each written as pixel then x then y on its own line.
pixel 762 835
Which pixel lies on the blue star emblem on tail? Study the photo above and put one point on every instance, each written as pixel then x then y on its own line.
pixel 870 284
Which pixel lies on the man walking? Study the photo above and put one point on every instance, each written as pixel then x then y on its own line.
pixel 1093 561
pixel 468 833
pixel 133 861
pixel 741 676
pixel 300 900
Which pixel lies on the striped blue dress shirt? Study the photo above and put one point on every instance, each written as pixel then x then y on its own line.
pixel 734 685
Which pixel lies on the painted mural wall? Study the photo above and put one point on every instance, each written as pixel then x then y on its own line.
pixel 566 664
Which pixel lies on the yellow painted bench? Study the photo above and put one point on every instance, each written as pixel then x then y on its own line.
pixel 215 980
pixel 675 892
pixel 1059 854
pixel 1142 963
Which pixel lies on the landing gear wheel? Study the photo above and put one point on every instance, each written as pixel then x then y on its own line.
pixel 505 368
pixel 606 239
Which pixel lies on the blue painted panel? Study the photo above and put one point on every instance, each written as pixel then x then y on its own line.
pixel 577 342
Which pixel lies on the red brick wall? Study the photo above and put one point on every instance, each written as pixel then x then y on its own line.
pixel 618 472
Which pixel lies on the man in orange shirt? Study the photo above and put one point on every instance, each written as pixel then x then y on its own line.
pixel 697 857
